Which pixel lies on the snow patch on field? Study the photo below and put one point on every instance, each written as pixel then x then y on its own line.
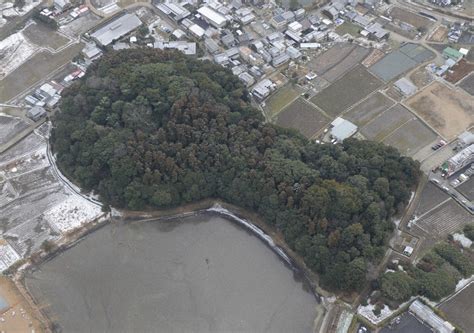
pixel 72 213
pixel 14 50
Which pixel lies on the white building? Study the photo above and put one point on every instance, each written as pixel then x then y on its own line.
pixel 116 29
pixel 426 315
pixel 460 160
pixel 212 17
pixel 342 129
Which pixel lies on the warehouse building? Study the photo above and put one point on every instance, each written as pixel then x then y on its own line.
pixel 405 86
pixel 460 160
pixel 116 29
pixel 36 113
pixel 342 129
pixel 175 11
pixel 187 48
pixel 212 17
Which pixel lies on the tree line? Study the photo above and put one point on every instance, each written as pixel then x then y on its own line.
pixel 153 129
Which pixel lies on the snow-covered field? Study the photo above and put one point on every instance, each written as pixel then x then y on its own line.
pixel 35 203
pixel 72 213
pixel 14 50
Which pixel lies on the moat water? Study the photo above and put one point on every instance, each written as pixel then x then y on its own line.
pixel 195 274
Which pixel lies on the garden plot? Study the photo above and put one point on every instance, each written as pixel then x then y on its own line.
pixel 467 189
pixel 9 127
pixel 368 109
pixel 468 84
pixel 14 50
pixel 280 99
pixel 416 21
pixel 460 308
pixel 430 197
pixel 411 137
pixel 444 220
pixel 36 69
pixel 347 91
pixel 446 110
pixel 34 204
pixel 72 213
pixel 352 60
pixel 386 123
pixel 337 61
pixel 302 116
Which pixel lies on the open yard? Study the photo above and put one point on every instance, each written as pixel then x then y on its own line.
pixel 460 308
pixel 417 21
pixel 459 71
pixel 347 91
pixel 439 35
pixel 348 28
pixel 411 137
pixel 302 116
pixel 34 70
pixel 280 99
pixel 386 123
pixel 421 77
pixel 368 109
pixel 448 111
pixel 468 84
pixel 44 36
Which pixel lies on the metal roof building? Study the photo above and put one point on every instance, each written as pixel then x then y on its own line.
pixel 425 314
pixel 466 138
pixel 116 29
pixel 342 129
pixel 36 113
pixel 212 17
pixel 405 86
pixel 461 159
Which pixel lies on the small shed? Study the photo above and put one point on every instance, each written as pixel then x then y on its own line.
pixel 36 113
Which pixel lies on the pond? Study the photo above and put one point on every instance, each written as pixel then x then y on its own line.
pixel 196 274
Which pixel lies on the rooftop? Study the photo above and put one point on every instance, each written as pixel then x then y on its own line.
pixel 117 28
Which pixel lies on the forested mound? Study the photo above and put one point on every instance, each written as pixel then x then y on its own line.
pixel 147 128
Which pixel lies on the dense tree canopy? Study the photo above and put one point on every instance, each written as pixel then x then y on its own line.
pixel 146 128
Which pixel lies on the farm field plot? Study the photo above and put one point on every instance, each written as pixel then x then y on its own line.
pixel 348 90
pixel 412 19
pixel 280 99
pixel 398 62
pixel 374 56
pixel 368 109
pixel 352 60
pixel 431 196
pixel 324 62
pixel 386 123
pixel 468 84
pixel 411 137
pixel 34 70
pixel 459 71
pixel 444 220
pixel 448 111
pixel 460 308
pixel 467 189
pixel 439 35
pixel 44 36
pixel 9 127
pixel 302 116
